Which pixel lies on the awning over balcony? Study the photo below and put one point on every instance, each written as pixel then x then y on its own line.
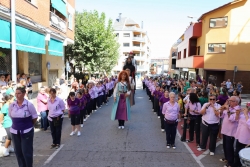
pixel 55 47
pixel 29 41
pixel 5 35
pixel 26 39
pixel 59 5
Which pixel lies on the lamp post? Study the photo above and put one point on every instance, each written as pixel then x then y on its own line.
pixel 13 40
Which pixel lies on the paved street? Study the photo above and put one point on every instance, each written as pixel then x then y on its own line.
pixel 102 144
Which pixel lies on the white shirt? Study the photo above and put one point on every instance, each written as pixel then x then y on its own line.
pixel 228 84
pixel 209 115
pixel 3 83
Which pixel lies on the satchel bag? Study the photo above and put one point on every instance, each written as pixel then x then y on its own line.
pixel 170 121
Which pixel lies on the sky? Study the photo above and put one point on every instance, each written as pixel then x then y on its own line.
pixel 164 20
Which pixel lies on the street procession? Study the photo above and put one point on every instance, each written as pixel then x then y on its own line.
pixel 109 84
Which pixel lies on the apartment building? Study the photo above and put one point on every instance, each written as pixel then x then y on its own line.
pixel 132 38
pixel 217 47
pixel 43 29
pixel 159 65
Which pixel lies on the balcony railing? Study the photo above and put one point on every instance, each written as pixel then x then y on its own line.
pixel 57 22
pixel 139 39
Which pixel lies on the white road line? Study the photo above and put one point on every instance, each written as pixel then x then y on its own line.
pixel 53 155
pixel 191 152
pixel 207 151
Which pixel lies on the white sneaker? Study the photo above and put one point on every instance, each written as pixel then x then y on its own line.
pixel 88 116
pixel 168 146
pixel 95 110
pixel 211 153
pixel 159 117
pixel 81 125
pixel 84 120
pixel 201 149
pixel 5 152
pixel 11 149
pixel 72 133
pixel 78 133
pixel 162 130
pixel 119 127
pixel 122 127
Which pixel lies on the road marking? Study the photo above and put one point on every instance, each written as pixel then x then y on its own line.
pixel 53 155
pixel 191 152
pixel 207 151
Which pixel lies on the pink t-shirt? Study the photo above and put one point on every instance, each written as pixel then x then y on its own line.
pixel 40 105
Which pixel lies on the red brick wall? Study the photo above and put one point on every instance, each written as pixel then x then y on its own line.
pixel 39 12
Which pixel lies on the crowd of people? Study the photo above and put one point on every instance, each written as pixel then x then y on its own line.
pixel 206 111
pixel 18 115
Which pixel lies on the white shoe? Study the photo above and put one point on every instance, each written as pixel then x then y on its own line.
pixel 78 133
pixel 168 146
pixel 81 125
pixel 72 133
pixel 84 120
pixel 122 127
pixel 11 149
pixel 211 153
pixel 119 127
pixel 88 116
pixel 95 110
pixel 5 152
pixel 162 130
pixel 159 117
pixel 200 149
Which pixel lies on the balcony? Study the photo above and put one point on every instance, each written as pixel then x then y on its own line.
pixel 195 61
pixel 57 22
pixel 193 31
pixel 134 28
pixel 139 39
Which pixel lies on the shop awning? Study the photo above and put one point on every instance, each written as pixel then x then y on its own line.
pixel 29 41
pixel 55 47
pixel 26 39
pixel 59 5
pixel 5 41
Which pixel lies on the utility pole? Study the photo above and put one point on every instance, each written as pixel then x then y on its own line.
pixel 13 40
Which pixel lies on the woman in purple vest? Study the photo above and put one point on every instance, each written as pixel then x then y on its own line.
pixel 74 109
pixel 163 99
pixel 24 116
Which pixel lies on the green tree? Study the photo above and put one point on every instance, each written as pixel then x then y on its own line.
pixel 95 44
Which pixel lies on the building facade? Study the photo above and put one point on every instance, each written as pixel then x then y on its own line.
pixel 160 66
pixel 132 38
pixel 218 44
pixel 43 29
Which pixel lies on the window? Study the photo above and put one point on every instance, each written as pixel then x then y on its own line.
pixel 185 53
pixel 216 48
pixel 35 67
pixel 218 22
pixel 117 35
pixel 125 44
pixel 126 34
pixel 70 21
pixel 179 55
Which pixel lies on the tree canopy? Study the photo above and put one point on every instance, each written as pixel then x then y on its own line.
pixel 95 43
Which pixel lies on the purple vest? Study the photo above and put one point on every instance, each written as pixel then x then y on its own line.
pixel 21 124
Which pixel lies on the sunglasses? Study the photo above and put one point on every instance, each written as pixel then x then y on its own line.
pixel 211 99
